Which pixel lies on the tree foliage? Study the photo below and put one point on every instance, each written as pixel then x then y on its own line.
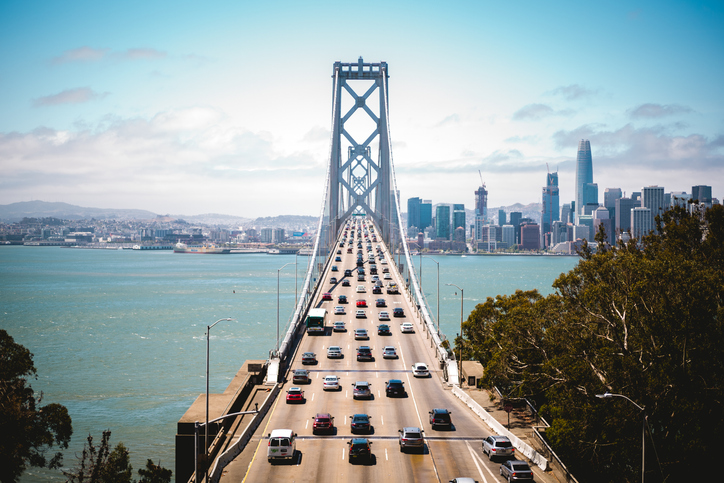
pixel 27 429
pixel 642 319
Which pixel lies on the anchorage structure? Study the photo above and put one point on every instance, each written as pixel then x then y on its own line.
pixel 360 178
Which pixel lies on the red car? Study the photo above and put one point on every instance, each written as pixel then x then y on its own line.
pixel 362 303
pixel 326 296
pixel 295 395
pixel 323 422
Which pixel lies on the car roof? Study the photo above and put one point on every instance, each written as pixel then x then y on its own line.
pixel 361 383
pixel 359 440
pixel 323 415
pixel 440 410
pixel 395 381
pixel 295 388
pixel 411 429
pixel 330 375
pixel 300 370
pixel 360 415
pixel 281 433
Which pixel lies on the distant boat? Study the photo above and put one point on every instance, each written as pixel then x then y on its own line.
pixel 207 249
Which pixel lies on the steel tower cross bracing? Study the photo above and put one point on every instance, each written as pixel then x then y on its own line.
pixel 359 181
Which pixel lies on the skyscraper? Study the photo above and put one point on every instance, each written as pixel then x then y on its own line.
pixel 481 202
pixel 641 222
pixel 515 217
pixel 550 211
pixel 623 214
pixel 701 193
pixel 653 199
pixel 610 195
pixel 584 174
pixel 501 217
pixel 458 217
pixel 442 222
pixel 413 214
pixel 425 214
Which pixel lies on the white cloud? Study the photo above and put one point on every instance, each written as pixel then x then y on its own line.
pixel 573 92
pixel 81 54
pixel 657 110
pixel 78 95
pixel 536 112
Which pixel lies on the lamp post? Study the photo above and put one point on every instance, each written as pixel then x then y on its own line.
pixel 279 270
pixel 438 290
pixel 206 426
pixel 461 327
pixel 608 395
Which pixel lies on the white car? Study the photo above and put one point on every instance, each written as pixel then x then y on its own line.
pixel 384 315
pixel 383 261
pixel 419 369
pixel 387 276
pixel 334 352
pixel 331 383
pixel 360 314
pixel 361 289
pixel 339 310
pixel 407 328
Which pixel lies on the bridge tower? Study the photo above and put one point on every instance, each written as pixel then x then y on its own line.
pixel 360 174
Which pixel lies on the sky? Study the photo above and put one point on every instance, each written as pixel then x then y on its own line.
pixel 225 107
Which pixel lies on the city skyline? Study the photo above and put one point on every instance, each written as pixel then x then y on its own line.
pixel 184 108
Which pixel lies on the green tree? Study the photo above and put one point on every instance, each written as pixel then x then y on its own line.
pixel 642 319
pixel 100 464
pixel 154 473
pixel 27 429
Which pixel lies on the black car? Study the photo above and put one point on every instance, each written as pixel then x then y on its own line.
pixel 364 353
pixel 380 303
pixel 348 273
pixel 398 312
pixel 360 423
pixel 394 387
pixel 383 329
pixel 376 290
pixel 440 417
pixel 359 448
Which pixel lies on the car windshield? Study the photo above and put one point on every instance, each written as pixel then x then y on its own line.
pixel 504 444
pixel 323 420
pixel 359 446
pixel 412 435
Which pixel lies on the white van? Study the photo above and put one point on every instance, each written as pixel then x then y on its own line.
pixel 282 445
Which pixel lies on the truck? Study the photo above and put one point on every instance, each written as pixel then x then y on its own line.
pixel 316 321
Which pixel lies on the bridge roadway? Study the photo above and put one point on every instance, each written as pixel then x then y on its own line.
pixel 323 458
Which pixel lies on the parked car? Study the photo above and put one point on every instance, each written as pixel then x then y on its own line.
pixel 323 422
pixel 516 470
pixel 361 390
pixel 295 395
pixel 419 369
pixel 339 327
pixel 411 437
pixel 334 352
pixel 330 383
pixel 398 312
pixel 389 352
pixel 394 387
pixel 359 449
pixel 407 328
pixel 300 376
pixel 383 329
pixel 440 417
pixel 360 423
pixel 309 358
pixel 364 353
pixel 384 315
pixel 498 446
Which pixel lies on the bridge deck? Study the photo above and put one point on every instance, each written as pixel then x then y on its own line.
pixel 447 454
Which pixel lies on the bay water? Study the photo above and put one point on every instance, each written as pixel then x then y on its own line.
pixel 119 336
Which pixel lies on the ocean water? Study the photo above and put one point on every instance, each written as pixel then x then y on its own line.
pixel 118 336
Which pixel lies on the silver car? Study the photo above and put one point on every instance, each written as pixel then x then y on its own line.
pixel 389 352
pixel 515 470
pixel 498 446
pixel 411 438
pixel 334 352
pixel 362 390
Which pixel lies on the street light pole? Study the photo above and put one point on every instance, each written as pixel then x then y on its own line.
pixel 608 395
pixel 438 291
pixel 461 327
pixel 206 426
pixel 279 270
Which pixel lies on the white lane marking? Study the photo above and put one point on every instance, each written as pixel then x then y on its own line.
pixel 318 375
pixel 345 420
pixel 386 458
pixel 306 425
pixel 382 422
pixel 312 396
pixel 343 453
pixel 476 458
pixel 346 393
pixel 378 394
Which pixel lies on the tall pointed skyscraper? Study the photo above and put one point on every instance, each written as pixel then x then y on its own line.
pixel 584 175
